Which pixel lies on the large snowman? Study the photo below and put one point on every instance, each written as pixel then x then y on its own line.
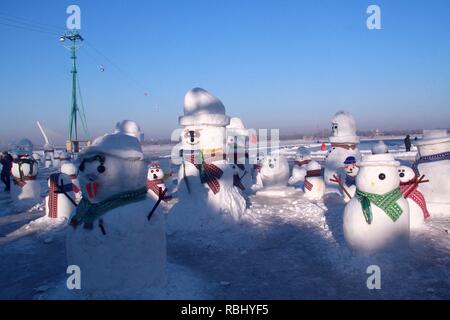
pixel 25 189
pixel 130 128
pixel 205 179
pixel 409 184
pixel 118 246
pixel 434 162
pixel 377 218
pixel 343 145
pixel 237 154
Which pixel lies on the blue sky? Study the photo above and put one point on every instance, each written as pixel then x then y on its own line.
pixel 276 64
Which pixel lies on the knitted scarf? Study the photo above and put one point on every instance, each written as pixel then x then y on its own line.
pixel 153 186
pixel 410 189
pixel 301 163
pixel 311 173
pixel 427 159
pixel 386 202
pixel 350 180
pixel 347 146
pixel 87 213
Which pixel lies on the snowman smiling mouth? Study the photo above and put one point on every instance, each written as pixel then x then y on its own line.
pixel 91 189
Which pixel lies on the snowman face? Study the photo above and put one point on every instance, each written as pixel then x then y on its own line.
pixel 103 176
pixel 351 169
pixel 155 173
pixel 334 128
pixel 377 179
pixel 406 174
pixel 203 137
pixel 272 165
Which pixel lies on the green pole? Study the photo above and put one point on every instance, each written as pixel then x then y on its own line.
pixel 73 121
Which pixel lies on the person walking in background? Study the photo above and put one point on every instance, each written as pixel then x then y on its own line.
pixel 408 143
pixel 6 161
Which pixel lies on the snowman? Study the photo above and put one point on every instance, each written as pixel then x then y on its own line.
pixel 302 158
pixel 380 147
pixel 56 159
pixel 343 145
pixel 71 170
pixel 25 189
pixel 377 218
pixel 205 179
pixel 434 162
pixel 348 183
pixel 314 186
pixel 130 128
pixel 409 183
pixel 48 155
pixel 256 176
pixel 117 234
pixel 61 198
pixel 237 155
pixel 274 175
pixel 155 182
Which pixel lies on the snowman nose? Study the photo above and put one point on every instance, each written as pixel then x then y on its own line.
pixel 192 135
pixel 402 175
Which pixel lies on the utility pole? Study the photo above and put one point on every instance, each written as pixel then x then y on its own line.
pixel 72 143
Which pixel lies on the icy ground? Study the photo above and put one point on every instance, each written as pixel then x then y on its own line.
pixel 284 248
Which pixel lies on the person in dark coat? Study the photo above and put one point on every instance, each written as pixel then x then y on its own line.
pixel 408 143
pixel 6 162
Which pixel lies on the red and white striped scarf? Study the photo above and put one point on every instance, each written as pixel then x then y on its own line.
pixel 414 194
pixel 75 187
pixel 157 190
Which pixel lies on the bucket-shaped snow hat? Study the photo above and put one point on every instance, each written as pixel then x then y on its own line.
pixel 130 128
pixel 117 144
pixel 434 137
pixel 202 108
pixel 382 160
pixel 24 147
pixel 343 128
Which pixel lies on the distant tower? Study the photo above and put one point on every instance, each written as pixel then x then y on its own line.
pixel 72 143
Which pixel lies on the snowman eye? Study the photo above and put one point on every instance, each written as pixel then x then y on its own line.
pixel 381 176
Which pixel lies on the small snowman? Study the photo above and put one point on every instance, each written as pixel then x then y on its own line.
pixel 434 162
pixel 256 177
pixel 274 176
pixel 380 147
pixel 303 157
pixel 205 179
pixel 343 145
pixel 314 186
pixel 130 128
pixel 25 189
pixel 237 155
pixel 377 218
pixel 409 183
pixel 71 170
pixel 48 155
pixel 117 236
pixel 155 182
pixel 61 198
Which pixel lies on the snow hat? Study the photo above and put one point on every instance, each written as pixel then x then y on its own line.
pixel 154 165
pixel 350 160
pixel 237 127
pixel 344 128
pixel 375 160
pixel 434 137
pixel 70 169
pixel 24 147
pixel 302 151
pixel 380 147
pixel 130 128
pixel 117 144
pixel 202 108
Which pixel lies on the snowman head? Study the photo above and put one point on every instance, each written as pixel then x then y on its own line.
pixel 406 174
pixel 70 169
pixel 113 164
pixel 343 127
pixel 203 137
pixel 236 132
pixel 378 174
pixel 154 171
pixel 303 154
pixel 350 166
pixel 24 148
pixel 274 166
pixel 24 166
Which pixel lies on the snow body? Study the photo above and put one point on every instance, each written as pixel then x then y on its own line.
pixel 124 252
pixel 378 174
pixel 314 186
pixel 435 143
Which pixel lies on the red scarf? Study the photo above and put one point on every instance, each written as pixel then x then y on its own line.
pixel 212 173
pixel 311 173
pixel 415 195
pixel 346 146
pixel 54 190
pixel 157 190
pixel 301 163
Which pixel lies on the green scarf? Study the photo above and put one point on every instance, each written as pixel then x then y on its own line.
pixel 88 212
pixel 387 202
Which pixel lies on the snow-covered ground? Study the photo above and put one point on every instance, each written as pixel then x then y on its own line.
pixel 284 248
